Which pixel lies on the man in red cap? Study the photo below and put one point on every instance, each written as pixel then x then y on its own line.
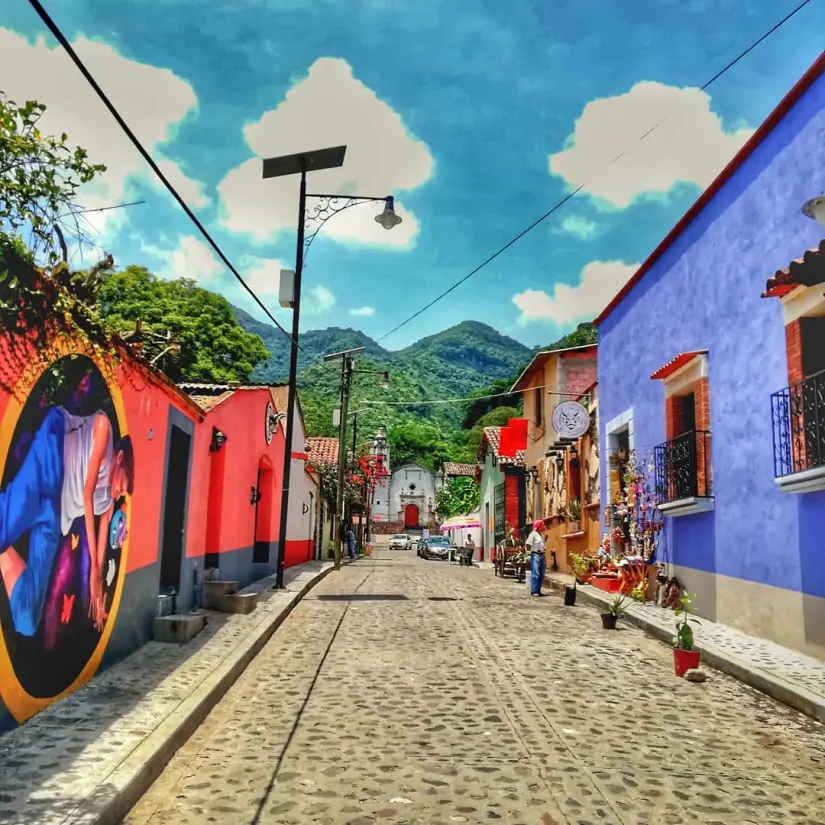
pixel 538 561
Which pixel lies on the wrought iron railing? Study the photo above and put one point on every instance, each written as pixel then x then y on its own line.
pixel 798 419
pixel 683 467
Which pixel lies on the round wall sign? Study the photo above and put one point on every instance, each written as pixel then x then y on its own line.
pixel 270 422
pixel 571 419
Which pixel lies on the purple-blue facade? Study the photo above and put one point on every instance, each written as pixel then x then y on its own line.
pixel 704 293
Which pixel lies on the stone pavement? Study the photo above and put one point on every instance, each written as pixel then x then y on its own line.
pixel 782 673
pixel 88 757
pixel 402 691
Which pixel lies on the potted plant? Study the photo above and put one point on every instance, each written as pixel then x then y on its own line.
pixel 582 567
pixel 685 655
pixel 574 514
pixel 614 612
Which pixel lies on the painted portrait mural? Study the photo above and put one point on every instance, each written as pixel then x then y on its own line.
pixel 67 471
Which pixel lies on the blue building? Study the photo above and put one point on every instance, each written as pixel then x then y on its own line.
pixel 712 362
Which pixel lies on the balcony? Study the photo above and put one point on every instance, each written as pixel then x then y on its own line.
pixel 683 480
pixel 798 419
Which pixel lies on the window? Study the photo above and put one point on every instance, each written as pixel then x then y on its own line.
pixel 798 410
pixel 539 420
pixel 683 479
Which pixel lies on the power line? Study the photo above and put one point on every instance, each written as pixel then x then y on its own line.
pixel 61 39
pixel 579 188
pixel 469 398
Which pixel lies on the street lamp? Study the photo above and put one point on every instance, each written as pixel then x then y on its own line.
pixel 329 205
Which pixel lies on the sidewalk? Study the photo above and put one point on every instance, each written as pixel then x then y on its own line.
pixel 89 757
pixel 793 678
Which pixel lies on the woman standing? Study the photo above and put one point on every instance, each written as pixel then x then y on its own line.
pixel 538 561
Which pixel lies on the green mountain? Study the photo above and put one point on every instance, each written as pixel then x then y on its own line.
pixel 451 364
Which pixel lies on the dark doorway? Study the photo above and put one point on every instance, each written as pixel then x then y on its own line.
pixel 812 331
pixel 174 510
pixel 689 413
pixel 263 515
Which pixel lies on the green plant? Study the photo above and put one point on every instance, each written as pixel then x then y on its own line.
pixel 459 495
pixel 683 640
pixel 582 566
pixel 638 594
pixel 574 510
pixel 618 607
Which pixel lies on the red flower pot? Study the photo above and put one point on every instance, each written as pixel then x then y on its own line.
pixel 684 660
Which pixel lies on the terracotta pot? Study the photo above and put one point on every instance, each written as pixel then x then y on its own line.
pixel 609 621
pixel 684 660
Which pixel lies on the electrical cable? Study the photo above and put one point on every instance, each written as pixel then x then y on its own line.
pixel 469 398
pixel 579 188
pixel 67 47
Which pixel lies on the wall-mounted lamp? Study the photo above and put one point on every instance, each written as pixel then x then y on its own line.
pixel 275 419
pixel 254 495
pixel 218 440
pixel 815 209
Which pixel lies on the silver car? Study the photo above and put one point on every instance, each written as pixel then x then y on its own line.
pixel 437 547
pixel 400 542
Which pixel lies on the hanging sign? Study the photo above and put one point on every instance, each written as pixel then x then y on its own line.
pixel 571 419
pixel 270 422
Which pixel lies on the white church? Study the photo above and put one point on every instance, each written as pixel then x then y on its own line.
pixel 404 499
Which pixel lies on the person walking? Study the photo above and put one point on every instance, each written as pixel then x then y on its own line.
pixel 538 561
pixel 351 542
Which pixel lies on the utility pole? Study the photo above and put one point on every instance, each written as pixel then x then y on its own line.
pixel 346 383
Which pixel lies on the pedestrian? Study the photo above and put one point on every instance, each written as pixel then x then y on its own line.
pixel 351 542
pixel 538 562
pixel 469 549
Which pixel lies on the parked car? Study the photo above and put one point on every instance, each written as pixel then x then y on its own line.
pixel 401 542
pixel 437 547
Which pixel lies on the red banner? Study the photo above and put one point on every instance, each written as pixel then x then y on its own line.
pixel 506 444
pixel 518 429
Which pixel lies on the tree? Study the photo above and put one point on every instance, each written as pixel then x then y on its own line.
pixel 457 496
pixel 39 180
pixel 212 344
pixel 419 442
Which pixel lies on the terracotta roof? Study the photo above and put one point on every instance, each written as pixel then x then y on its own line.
pixel 452 469
pixel 492 436
pixel 323 450
pixel 806 81
pixel 541 358
pixel 809 270
pixel 676 363
pixel 209 402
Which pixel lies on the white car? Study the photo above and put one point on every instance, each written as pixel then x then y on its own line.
pixel 400 542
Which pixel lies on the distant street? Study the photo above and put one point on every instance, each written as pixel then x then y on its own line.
pixel 405 691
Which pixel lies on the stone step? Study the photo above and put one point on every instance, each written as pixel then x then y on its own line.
pixel 178 629
pixel 214 591
pixel 237 603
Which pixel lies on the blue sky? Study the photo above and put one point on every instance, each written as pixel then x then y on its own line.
pixel 477 116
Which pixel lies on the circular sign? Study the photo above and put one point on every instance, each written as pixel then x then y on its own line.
pixel 270 422
pixel 571 419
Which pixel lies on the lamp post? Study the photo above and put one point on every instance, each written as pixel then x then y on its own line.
pixel 329 205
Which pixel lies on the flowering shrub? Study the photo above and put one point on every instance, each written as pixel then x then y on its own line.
pixel 641 519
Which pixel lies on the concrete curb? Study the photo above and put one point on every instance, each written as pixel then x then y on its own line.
pixel 111 801
pixel 794 696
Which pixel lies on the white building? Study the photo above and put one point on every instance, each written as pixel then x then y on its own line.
pixel 412 497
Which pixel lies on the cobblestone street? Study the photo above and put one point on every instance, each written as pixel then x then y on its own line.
pixel 404 691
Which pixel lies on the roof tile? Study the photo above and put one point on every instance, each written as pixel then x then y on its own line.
pixel 323 450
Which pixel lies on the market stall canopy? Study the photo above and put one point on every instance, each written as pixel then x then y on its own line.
pixel 465 520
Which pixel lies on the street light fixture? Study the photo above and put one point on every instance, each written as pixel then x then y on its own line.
pixel 813 209
pixel 299 164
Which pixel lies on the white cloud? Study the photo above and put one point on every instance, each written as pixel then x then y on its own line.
pixel 598 284
pixel 190 258
pixel 152 101
pixel 690 144
pixel 263 274
pixel 319 300
pixel 362 312
pixel 328 107
pixel 579 226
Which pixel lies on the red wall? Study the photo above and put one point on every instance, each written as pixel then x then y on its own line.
pixel 511 514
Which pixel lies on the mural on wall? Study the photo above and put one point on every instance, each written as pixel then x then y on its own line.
pixel 67 472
